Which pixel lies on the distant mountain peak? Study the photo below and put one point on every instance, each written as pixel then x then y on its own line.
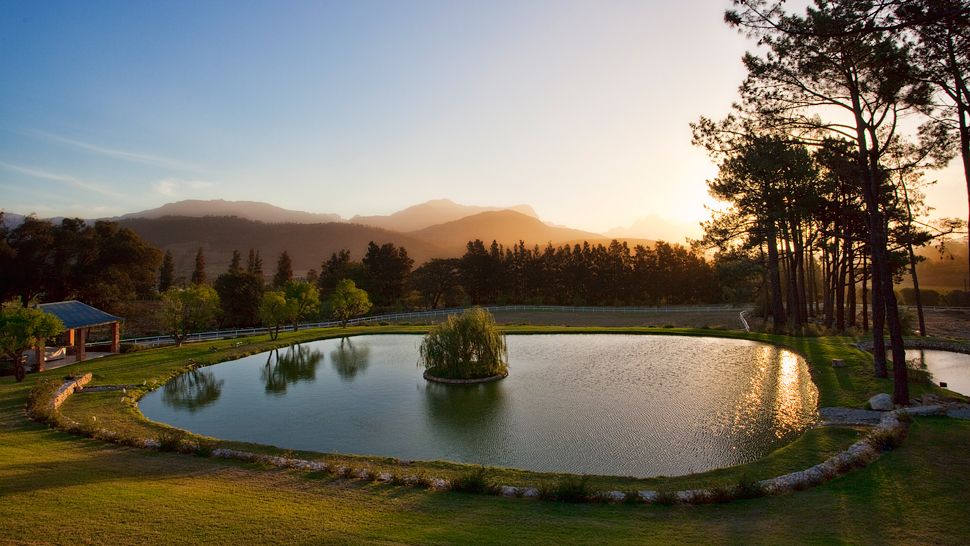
pixel 433 212
pixel 250 210
pixel 505 226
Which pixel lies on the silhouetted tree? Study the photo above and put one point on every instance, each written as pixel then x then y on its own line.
pixel 254 264
pixel 166 274
pixel 235 265
pixel 284 271
pixel 435 280
pixel 386 271
pixel 198 274
pixel 240 294
pixel 338 267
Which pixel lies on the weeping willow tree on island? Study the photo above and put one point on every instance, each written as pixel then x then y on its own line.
pixel 466 346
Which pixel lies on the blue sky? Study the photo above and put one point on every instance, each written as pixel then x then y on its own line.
pixel 577 108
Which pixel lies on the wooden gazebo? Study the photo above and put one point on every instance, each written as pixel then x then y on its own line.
pixel 78 319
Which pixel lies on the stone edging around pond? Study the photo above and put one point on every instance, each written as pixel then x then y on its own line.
pixel 886 435
pixel 448 381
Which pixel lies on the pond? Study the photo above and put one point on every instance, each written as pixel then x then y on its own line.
pixel 596 404
pixel 948 366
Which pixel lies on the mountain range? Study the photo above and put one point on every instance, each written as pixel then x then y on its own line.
pixel 430 213
pixel 434 229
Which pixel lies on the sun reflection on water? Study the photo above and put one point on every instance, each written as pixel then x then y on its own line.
pixel 779 395
pixel 795 394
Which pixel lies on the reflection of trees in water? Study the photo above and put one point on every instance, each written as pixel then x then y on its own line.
pixel 471 412
pixel 192 390
pixel 297 363
pixel 348 360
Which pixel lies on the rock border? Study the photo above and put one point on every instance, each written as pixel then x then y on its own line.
pixel 66 389
pixel 447 381
pixel 886 435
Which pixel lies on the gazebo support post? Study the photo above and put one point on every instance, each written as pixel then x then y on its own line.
pixel 39 354
pixel 79 341
pixel 116 337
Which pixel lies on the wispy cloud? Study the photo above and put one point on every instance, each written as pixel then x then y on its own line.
pixel 126 155
pixel 62 178
pixel 171 187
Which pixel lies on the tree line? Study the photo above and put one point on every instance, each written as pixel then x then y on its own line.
pixel 565 275
pixel 822 184
pixel 102 263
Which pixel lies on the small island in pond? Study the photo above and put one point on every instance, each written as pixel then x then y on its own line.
pixel 466 348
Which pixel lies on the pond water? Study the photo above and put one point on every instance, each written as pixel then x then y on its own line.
pixel 953 368
pixel 597 404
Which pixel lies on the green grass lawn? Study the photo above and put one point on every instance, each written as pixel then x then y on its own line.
pixel 55 487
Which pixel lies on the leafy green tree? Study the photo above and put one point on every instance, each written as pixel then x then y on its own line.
pixel 303 299
pixel 23 328
pixel 284 270
pixel 198 274
pixel 347 301
pixel 275 311
pixel 166 275
pixel 188 310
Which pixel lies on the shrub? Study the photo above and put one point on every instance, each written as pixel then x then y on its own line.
pixel 204 448
pixel 716 495
pixel 39 399
pixel 466 346
pixel 130 348
pixel 572 489
pixel 170 440
pixel 666 498
pixel 887 439
pixel 475 481
pixel 748 488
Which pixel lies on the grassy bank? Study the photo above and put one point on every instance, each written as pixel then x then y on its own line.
pixel 145 370
pixel 50 480
pixel 58 488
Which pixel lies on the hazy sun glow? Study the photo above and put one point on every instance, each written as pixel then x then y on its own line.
pixel 580 109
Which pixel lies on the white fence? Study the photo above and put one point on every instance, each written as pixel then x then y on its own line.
pixel 438 313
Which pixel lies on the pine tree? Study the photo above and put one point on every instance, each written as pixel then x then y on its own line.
pixel 198 275
pixel 254 264
pixel 284 270
pixel 166 275
pixel 235 266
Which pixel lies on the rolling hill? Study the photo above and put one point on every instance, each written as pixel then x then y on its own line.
pixel 307 244
pixel 250 210
pixel 431 213
pixel 505 226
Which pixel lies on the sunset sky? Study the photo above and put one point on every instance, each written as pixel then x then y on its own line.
pixel 580 109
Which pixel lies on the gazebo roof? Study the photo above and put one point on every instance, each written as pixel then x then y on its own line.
pixel 75 314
